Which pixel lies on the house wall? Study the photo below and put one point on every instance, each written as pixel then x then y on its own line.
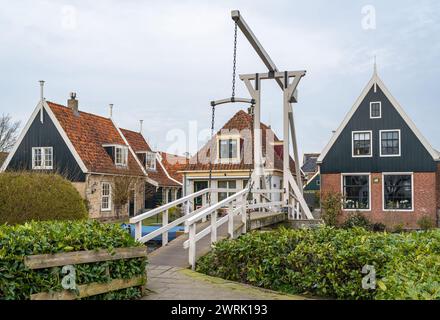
pixel 273 182
pixel 425 199
pixel 46 135
pixel 414 156
pixel 93 196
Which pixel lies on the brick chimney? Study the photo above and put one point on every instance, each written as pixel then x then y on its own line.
pixel 72 103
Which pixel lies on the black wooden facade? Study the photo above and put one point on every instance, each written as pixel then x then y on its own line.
pixel 46 135
pixel 414 156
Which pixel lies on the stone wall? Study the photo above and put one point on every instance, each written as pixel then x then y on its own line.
pixel 425 200
pixel 93 191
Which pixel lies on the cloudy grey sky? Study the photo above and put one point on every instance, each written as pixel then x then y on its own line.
pixel 163 61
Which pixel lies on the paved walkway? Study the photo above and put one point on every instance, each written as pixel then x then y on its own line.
pixel 175 255
pixel 173 283
pixel 169 278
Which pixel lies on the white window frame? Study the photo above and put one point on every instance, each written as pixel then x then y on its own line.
pixel 380 144
pixel 43 165
pixel 153 155
pixel 228 193
pixel 229 137
pixel 371 144
pixel 124 156
pixel 109 196
pixel 371 109
pixel 412 190
pixel 369 191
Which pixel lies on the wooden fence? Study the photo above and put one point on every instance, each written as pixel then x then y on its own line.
pixel 43 261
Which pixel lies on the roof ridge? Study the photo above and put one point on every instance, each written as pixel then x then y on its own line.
pixel 80 111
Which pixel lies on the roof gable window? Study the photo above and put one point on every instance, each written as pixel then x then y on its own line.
pixel 121 156
pixel 375 110
pixel 390 143
pixel 228 149
pixel 118 153
pixel 362 144
pixel 150 160
pixel 42 158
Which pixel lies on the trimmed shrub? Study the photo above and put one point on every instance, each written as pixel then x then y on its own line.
pixel 425 223
pixel 27 196
pixel 16 242
pixel 328 262
pixel 331 208
pixel 357 220
pixel 378 227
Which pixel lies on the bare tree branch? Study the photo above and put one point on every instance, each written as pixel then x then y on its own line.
pixel 8 132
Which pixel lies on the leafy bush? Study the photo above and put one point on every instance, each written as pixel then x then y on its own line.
pixel 357 220
pixel 27 196
pixel 331 208
pixel 16 242
pixel 425 223
pixel 328 262
pixel 378 227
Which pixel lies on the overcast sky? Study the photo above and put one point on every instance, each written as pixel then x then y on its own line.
pixel 163 61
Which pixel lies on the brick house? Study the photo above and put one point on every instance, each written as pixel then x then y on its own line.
pixel 232 161
pixel 93 153
pixel 381 163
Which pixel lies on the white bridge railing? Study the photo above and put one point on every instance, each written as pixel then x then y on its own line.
pixel 235 205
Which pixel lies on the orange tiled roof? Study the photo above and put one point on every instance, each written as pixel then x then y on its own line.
pixel 240 121
pixel 88 133
pixel 139 144
pixel 174 164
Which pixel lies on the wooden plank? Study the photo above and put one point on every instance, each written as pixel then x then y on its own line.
pixel 41 261
pixel 92 289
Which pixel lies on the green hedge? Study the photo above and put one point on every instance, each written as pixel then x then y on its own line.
pixel 328 262
pixel 16 242
pixel 27 196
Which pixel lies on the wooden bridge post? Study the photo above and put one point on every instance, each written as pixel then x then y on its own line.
pixel 214 227
pixel 187 205
pixel 192 246
pixel 164 223
pixel 138 230
pixel 205 202
pixel 231 220
pixel 243 214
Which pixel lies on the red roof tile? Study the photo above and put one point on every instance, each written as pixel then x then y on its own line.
pixel 174 164
pixel 88 133
pixel 239 122
pixel 139 144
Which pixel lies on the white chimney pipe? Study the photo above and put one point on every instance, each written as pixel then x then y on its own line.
pixel 41 100
pixel 141 123
pixel 111 110
pixel 41 90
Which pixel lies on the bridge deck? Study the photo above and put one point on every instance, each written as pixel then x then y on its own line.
pixel 176 256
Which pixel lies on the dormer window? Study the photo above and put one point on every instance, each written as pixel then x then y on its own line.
pixel 375 110
pixel 228 148
pixel 121 156
pixel 150 160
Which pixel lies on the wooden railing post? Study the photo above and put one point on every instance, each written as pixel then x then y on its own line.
pixel 204 203
pixel 187 212
pixel 164 223
pixel 138 230
pixel 214 227
pixel 192 246
pixel 231 220
pixel 243 214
